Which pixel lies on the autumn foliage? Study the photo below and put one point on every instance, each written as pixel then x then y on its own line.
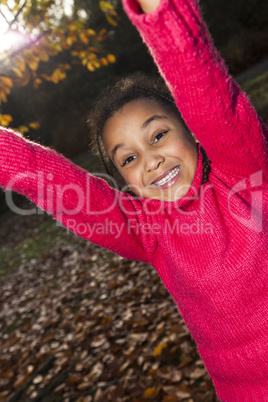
pixel 44 32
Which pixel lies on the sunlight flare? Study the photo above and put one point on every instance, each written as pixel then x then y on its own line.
pixel 10 39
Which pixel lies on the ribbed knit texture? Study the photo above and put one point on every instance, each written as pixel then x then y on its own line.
pixel 211 247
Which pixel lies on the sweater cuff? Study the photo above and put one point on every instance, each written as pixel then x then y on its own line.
pixel 137 16
pixel 175 26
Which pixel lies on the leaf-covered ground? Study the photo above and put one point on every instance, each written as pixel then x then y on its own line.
pixel 78 323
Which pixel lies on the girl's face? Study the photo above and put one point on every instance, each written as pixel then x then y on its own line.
pixel 151 149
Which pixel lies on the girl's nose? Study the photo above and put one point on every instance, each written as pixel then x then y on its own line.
pixel 152 161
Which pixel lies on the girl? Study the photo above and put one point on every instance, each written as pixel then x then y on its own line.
pixel 205 232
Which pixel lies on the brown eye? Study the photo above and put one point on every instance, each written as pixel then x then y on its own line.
pixel 159 136
pixel 128 160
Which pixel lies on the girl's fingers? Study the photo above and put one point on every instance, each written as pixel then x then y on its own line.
pixel 148 6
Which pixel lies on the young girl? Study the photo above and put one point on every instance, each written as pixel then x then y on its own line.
pixel 204 231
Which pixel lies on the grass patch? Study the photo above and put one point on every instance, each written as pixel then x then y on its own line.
pixel 39 242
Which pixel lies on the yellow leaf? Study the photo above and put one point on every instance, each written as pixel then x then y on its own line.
pixel 62 75
pixel 35 125
pixel 96 64
pixel 58 75
pixel 3 96
pixel 69 41
pixel 73 27
pixel 111 58
pixel 5 119
pixel 46 77
pixel 58 47
pixel 6 90
pixel 37 82
pixel 104 6
pixel 17 71
pixel 150 393
pixel 90 66
pixel 84 62
pixel 91 32
pixel 7 82
pixel 24 129
pixel 103 61
pixel 33 64
pixel 82 55
pixel 111 20
pixel 158 350
pixel 20 64
pixel 54 78
pixel 84 38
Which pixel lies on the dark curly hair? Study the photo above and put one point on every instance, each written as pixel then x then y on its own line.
pixel 126 90
pixel 113 98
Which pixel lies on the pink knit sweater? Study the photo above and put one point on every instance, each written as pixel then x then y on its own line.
pixel 210 247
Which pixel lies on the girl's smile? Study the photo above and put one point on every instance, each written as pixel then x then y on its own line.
pixel 168 178
pixel 152 150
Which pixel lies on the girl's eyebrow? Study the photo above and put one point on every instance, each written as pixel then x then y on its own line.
pixel 113 152
pixel 152 118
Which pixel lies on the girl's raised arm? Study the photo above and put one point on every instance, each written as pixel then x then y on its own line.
pixel 211 102
pixel 86 205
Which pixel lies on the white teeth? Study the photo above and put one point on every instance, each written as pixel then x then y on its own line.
pixel 168 177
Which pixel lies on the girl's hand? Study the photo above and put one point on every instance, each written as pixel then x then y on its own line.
pixel 148 6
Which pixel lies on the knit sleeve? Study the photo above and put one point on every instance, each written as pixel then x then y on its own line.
pixel 85 204
pixel 211 102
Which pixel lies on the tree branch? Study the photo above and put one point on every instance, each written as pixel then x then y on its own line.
pixel 17 15
pixel 3 15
